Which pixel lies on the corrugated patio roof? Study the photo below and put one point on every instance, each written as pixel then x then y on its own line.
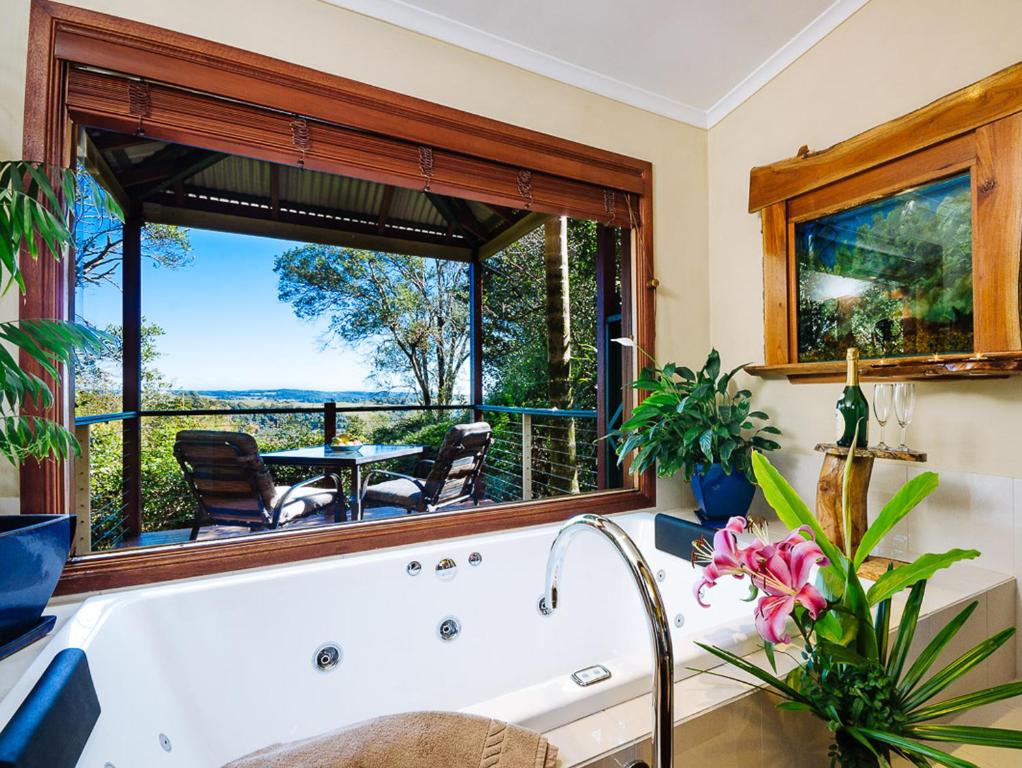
pixel 188 186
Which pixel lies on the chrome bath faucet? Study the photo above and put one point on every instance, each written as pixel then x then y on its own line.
pixel 659 631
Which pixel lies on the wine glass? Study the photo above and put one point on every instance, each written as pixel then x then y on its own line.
pixel 904 408
pixel 883 395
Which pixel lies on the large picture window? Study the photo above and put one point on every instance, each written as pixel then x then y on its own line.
pixel 338 284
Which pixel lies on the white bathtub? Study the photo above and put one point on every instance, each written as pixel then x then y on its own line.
pixel 224 665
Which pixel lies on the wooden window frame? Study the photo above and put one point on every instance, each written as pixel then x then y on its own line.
pixel 977 129
pixel 61 36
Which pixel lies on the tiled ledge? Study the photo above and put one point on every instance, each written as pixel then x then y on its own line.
pixel 731 724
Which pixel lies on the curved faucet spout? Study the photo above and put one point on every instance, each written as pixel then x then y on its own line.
pixel 659 630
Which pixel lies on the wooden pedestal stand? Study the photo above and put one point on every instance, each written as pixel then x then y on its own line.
pixel 828 494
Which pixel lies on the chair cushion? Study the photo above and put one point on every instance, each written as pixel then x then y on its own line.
pixel 304 501
pixel 399 492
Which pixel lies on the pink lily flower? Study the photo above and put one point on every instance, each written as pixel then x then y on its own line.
pixel 780 570
pixel 725 557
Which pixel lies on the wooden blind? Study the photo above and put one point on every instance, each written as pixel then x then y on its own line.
pixel 169 113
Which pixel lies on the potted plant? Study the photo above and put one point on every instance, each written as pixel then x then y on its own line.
pixel 874 696
pixel 33 548
pixel 698 423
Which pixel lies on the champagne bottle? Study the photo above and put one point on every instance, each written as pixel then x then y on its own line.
pixel 852 408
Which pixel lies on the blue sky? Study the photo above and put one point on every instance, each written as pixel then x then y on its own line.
pixel 224 327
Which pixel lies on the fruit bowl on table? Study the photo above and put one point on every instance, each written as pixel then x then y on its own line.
pixel 344 447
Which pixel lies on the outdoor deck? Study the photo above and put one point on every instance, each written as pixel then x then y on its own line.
pixel 216 532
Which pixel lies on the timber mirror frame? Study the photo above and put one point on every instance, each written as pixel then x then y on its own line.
pixel 978 130
pixel 65 39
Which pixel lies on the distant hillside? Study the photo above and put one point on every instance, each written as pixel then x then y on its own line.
pixel 305 395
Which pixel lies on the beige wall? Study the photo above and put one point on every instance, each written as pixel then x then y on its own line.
pixel 889 58
pixel 332 40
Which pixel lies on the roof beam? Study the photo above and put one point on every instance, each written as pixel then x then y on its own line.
pixel 108 140
pixel 196 165
pixel 155 167
pixel 97 165
pixel 250 221
pixel 255 207
pixel 461 219
pixel 512 234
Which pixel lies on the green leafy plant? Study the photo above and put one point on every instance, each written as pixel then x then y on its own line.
pixel 876 700
pixel 691 420
pixel 32 224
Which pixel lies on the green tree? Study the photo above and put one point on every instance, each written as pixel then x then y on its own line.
pixel 558 335
pixel 413 309
pixel 96 371
pixel 514 320
pixel 98 236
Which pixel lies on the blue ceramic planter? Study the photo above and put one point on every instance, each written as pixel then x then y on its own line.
pixel 721 496
pixel 33 550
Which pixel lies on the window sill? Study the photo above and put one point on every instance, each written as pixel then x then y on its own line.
pixel 930 368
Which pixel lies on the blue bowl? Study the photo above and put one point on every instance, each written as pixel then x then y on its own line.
pixel 33 550
pixel 721 496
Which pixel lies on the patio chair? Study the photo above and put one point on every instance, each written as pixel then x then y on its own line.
pixel 232 485
pixel 452 477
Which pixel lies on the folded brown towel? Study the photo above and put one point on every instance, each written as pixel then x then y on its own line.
pixel 412 740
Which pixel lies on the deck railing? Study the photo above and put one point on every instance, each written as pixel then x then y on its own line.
pixel 536 453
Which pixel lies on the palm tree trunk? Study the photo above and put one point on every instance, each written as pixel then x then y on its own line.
pixel 564 469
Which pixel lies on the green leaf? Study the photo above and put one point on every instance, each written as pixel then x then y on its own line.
pixel 706 445
pixel 791 510
pixel 764 444
pixel 846 507
pixel 943 758
pixel 794 706
pixel 836 627
pixel 906 630
pixel 841 653
pixel 968 734
pixel 916 760
pixel 957 668
pixel 755 671
pixel 968 701
pixel 929 654
pixel 869 746
pixel 768 649
pixel 712 366
pixel 855 601
pixel 903 502
pixel 883 629
pixel 24 437
pixel 923 567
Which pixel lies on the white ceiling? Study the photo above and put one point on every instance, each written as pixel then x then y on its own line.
pixel 691 60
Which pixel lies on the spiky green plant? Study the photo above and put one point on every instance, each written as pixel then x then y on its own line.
pixel 33 224
pixel 875 699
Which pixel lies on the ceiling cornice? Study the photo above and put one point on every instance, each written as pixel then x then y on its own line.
pixel 471 38
pixel 786 55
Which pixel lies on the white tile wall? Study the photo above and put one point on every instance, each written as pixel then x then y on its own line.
pixel 967 511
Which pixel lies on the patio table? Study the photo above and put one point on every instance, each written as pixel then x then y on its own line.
pixel 335 461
